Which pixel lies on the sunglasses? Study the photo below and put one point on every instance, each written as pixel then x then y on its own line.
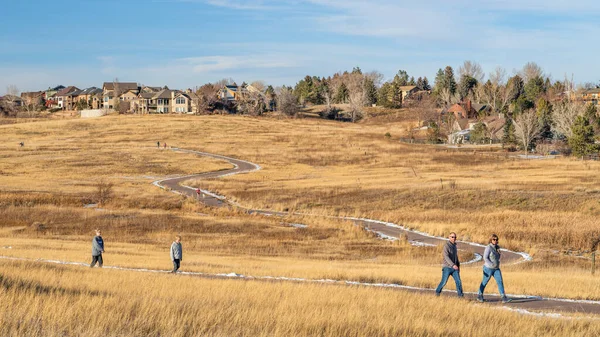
pixel 494 239
pixel 453 237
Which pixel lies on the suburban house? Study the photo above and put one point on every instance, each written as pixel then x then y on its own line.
pixel 166 101
pixel 112 91
pixel 467 110
pixel 408 90
pixel 591 96
pixel 229 93
pixel 92 97
pixel 34 97
pixel 61 96
pixel 50 96
pixel 462 127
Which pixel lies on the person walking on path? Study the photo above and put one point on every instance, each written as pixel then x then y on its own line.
pixel 97 249
pixel 491 268
pixel 450 266
pixel 158 144
pixel 198 193
pixel 176 253
pixel 165 145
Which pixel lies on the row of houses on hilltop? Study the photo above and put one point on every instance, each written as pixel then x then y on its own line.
pixel 121 96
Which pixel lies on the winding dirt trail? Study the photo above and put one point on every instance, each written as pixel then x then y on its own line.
pixel 521 303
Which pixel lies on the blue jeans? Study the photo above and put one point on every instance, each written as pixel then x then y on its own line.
pixel 487 274
pixel 446 272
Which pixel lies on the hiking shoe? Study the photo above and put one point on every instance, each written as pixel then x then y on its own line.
pixel 480 298
pixel 437 294
pixel 506 299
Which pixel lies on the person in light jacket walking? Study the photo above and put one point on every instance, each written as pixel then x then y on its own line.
pixel 491 268
pixel 176 253
pixel 97 249
pixel 450 266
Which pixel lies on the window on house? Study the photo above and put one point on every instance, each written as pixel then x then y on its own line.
pixel 180 100
pixel 166 110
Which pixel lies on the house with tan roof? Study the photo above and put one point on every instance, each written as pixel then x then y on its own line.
pixel 113 92
pixel 590 96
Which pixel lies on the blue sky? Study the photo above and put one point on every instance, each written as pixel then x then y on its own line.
pixel 185 43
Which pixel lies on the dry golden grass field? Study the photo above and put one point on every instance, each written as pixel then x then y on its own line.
pixel 543 207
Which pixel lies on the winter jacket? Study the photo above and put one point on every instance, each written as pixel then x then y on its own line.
pixel 97 246
pixel 491 256
pixel 450 255
pixel 176 251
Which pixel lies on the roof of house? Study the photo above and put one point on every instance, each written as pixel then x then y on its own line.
pixel 592 91
pixel 479 107
pixel 32 94
pixel 463 123
pixel 75 93
pixel 123 86
pixel 407 87
pixel 456 107
pixel 147 95
pixel 90 91
pixel 494 123
pixel 165 93
pixel 66 91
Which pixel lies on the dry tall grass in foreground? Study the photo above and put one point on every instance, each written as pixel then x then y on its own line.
pixel 44 300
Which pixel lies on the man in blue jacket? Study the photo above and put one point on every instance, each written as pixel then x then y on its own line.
pixel 97 249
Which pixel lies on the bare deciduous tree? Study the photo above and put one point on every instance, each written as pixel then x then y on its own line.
pixel 472 69
pixel 447 98
pixel 287 102
pixel 357 97
pixel 564 115
pixel 530 70
pixel 527 127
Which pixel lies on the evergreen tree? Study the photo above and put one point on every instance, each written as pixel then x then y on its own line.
pixel 508 137
pixel 342 94
pixel 401 78
pixel 582 141
pixel 356 70
pixel 591 113
pixel 449 82
pixel 419 84
pixel 439 81
pixel 479 133
pixel 466 86
pixel 370 91
pixel 396 96
pixel 535 88
pixel 516 87
pixel 412 81
pixel 383 95
pixel 544 112
pixel 426 85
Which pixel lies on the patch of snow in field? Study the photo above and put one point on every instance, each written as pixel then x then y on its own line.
pixel 298 225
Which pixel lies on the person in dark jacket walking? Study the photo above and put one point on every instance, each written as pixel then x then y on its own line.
pixel 450 266
pixel 491 268
pixel 97 249
pixel 176 253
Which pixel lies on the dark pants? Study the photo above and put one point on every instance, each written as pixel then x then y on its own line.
pixel 176 263
pixel 95 259
pixel 446 272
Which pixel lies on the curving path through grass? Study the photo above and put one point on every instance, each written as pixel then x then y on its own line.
pixel 521 303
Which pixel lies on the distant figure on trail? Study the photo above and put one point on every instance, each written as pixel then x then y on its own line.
pixel 176 253
pixel 491 268
pixel 22 144
pixel 97 249
pixel 198 193
pixel 165 145
pixel 158 144
pixel 450 266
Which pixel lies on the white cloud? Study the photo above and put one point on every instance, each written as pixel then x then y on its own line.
pixel 207 64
